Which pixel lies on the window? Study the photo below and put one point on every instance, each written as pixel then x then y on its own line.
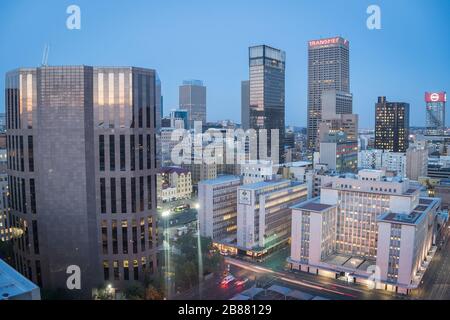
pixel 134 235
pixel 22 159
pixel 136 269
pixel 141 152
pixel 106 270
pixel 125 236
pixel 133 194
pixel 122 153
pixel 116 270
pixel 150 232
pixel 141 194
pixel 38 273
pixel 24 197
pixel 101 152
pixel 123 194
pixel 114 237
pixel 142 235
pixel 32 196
pixel 30 154
pixel 126 271
pixel 149 157
pixel 102 195
pixel 112 153
pixel 105 237
pixel 132 153
pixel 35 237
pixel 149 192
pixel 113 196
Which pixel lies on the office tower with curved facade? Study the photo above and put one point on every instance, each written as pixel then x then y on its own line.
pixel 82 174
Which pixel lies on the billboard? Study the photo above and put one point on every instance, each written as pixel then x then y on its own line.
pixel 327 42
pixel 435 97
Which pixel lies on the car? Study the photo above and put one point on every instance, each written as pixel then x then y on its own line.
pixel 242 282
pixel 228 279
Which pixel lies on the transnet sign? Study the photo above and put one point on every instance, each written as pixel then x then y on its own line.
pixel 326 42
pixel 435 97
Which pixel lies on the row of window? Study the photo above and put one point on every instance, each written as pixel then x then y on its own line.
pixel 140 192
pixel 16 155
pixel 135 145
pixel 25 267
pixel 127 270
pixel 18 194
pixel 117 234
pixel 30 238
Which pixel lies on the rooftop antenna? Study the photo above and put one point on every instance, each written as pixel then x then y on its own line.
pixel 45 55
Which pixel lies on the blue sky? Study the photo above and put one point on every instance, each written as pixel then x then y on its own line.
pixel 208 40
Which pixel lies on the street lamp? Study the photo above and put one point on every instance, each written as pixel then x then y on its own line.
pixel 197 206
pixel 165 213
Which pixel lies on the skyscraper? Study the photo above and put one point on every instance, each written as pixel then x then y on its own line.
pixel 328 68
pixel 192 98
pixel 245 102
pixel 435 108
pixel 267 90
pixel 391 125
pixel 82 173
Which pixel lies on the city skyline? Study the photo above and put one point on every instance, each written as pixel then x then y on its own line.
pixel 377 68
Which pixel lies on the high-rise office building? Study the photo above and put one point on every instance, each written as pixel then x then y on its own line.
pixel 435 108
pixel 267 92
pixel 328 68
pixel 82 174
pixel 192 98
pixel 245 104
pixel 334 103
pixel 391 125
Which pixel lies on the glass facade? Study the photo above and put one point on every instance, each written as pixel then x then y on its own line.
pixel 92 128
pixel 391 125
pixel 328 68
pixel 267 93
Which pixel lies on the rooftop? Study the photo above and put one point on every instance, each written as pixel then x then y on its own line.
pixel 415 216
pixel 312 205
pixel 220 179
pixel 13 284
pixel 349 262
pixel 173 170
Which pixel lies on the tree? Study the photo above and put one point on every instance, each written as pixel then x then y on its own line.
pixel 154 285
pixel 135 291
pixel 151 293
pixel 187 261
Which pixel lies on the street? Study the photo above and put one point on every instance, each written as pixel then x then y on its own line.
pixel 271 270
pixel 436 281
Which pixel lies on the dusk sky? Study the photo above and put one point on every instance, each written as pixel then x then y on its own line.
pixel 209 40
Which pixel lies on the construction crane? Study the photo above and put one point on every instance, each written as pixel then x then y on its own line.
pixel 45 56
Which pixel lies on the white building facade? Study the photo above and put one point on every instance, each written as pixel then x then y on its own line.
pixel 264 214
pixel 371 229
pixel 217 211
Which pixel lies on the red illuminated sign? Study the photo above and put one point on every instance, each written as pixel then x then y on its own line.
pixel 435 97
pixel 329 41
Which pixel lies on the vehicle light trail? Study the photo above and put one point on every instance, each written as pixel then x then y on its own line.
pixel 283 277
